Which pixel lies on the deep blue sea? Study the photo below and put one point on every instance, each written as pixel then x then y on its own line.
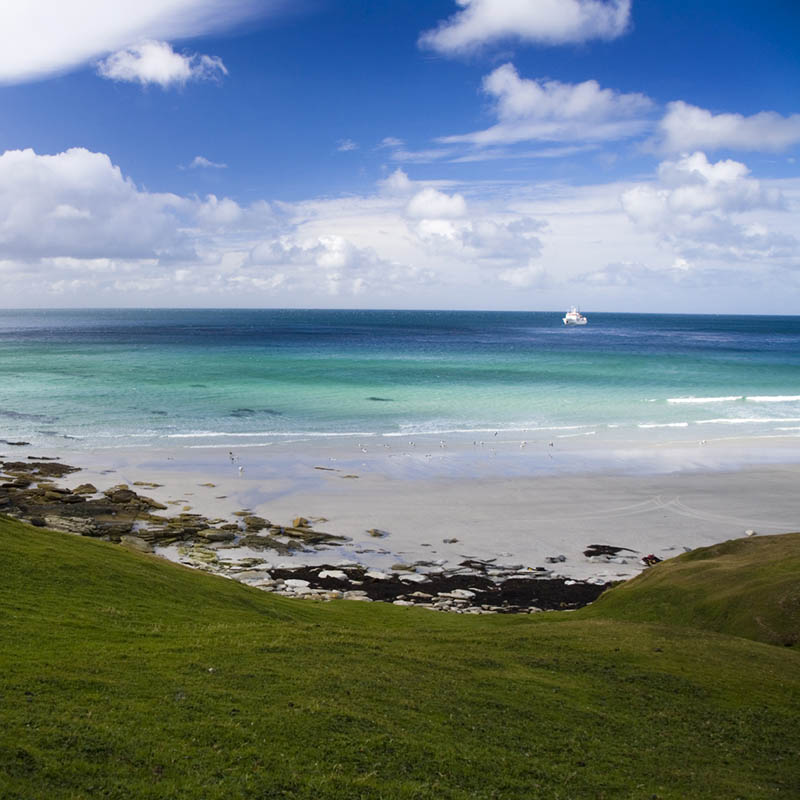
pixel 109 378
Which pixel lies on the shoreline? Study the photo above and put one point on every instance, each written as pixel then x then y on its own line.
pixel 518 512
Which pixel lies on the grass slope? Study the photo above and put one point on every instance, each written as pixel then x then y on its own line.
pixel 745 587
pixel 127 677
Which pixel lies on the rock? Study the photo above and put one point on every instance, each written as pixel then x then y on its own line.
pixel 120 496
pixel 203 555
pixel 214 535
pixel 413 577
pixel 150 503
pixel 85 488
pixel 254 523
pixel 357 595
pixel 555 559
pixel 79 525
pixel 300 522
pixel 449 541
pixel 377 576
pixel 312 537
pixel 404 568
pixel 135 543
pixel 335 574
pixel 252 575
pixel 297 583
pixel 257 542
pixel 604 550
pixel 458 594
pixel 377 533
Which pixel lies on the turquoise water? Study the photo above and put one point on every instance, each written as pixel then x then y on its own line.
pixel 113 378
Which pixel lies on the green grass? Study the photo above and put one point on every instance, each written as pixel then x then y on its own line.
pixel 745 587
pixel 127 677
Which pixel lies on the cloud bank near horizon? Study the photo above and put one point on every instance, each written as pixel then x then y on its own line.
pixel 76 227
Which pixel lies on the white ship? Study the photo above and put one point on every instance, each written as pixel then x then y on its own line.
pixel 574 317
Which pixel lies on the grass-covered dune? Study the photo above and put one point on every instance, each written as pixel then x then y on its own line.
pixel 124 676
pixel 746 587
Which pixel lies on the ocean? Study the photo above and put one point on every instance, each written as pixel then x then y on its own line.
pixel 94 379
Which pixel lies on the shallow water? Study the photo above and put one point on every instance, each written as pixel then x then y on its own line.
pixel 236 378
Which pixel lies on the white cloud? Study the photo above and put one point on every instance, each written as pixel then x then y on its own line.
pixel 421 156
pixel 216 213
pixel 502 153
pixel 78 204
pixel 346 145
pixel 699 208
pixel 525 277
pixel 391 141
pixel 203 162
pixel 156 62
pixel 430 203
pixel 396 183
pixel 529 110
pixel 481 22
pixel 686 127
pixel 76 230
pixel 43 37
pixel 329 263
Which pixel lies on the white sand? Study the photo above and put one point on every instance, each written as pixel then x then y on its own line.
pixel 500 500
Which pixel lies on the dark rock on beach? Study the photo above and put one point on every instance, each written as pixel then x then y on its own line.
pixel 120 514
pixel 604 550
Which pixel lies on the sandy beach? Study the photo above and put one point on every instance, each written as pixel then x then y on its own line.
pixel 445 501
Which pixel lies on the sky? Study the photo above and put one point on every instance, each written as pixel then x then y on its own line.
pixel 618 155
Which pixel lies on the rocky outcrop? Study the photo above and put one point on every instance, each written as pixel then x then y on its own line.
pixel 120 514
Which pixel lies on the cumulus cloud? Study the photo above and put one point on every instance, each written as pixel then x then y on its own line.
pixel 78 204
pixel 396 183
pixel 430 203
pixel 686 127
pixel 551 22
pixel 156 62
pixel 43 37
pixel 697 208
pixel 330 262
pixel 529 110
pixel 74 225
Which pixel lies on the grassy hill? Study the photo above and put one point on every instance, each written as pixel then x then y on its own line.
pixel 745 587
pixel 123 676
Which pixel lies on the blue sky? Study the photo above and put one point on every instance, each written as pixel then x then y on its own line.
pixel 472 154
